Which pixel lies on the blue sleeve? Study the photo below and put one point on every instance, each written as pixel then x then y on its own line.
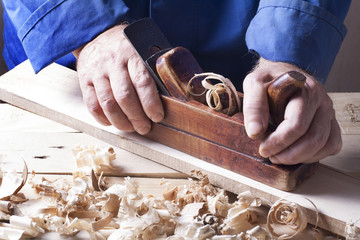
pixel 305 33
pixel 50 29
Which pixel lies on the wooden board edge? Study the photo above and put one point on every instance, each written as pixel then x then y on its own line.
pixel 131 145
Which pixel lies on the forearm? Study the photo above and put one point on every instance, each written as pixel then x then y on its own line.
pixel 52 29
pixel 305 33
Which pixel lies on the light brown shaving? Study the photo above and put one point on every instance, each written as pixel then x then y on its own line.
pixel 11 183
pixel 196 210
pixel 214 91
pixel 286 219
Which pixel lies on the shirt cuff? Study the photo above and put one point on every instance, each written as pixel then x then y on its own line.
pixel 58 27
pixel 296 32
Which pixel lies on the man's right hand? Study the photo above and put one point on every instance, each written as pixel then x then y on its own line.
pixel 116 86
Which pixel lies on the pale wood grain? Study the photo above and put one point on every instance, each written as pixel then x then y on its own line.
pixel 340 101
pixel 46 146
pixel 348 160
pixel 55 94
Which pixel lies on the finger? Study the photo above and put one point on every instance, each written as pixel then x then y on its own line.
pixel 92 103
pixel 307 146
pixel 109 105
pixel 255 105
pixel 298 116
pixel 127 99
pixel 333 145
pixel 146 89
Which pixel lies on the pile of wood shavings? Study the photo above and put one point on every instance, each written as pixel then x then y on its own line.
pixel 194 211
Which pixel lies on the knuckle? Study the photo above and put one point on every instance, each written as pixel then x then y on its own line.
pixel 328 101
pixel 123 97
pixel 318 140
pixel 85 79
pixel 94 109
pixel 328 106
pixel 336 146
pixel 109 104
pixel 332 113
pixel 250 80
pixel 298 128
pixel 142 81
pixel 280 142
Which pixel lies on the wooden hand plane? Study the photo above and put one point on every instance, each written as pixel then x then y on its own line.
pixel 192 127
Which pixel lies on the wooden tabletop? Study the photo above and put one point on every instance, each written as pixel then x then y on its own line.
pixel 335 188
pixel 46 147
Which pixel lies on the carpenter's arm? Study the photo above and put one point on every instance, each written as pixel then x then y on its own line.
pixel 295 35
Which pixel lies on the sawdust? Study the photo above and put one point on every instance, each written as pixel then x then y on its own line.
pixel 197 210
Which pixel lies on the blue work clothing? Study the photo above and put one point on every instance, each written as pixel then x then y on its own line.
pixel 222 35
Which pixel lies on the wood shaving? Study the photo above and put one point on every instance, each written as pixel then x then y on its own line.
pixel 196 210
pixel 94 157
pixel 221 96
pixel 11 183
pixel 286 219
pixel 352 230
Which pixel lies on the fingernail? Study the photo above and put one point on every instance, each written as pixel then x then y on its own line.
pixel 143 130
pixel 157 117
pixel 273 159
pixel 265 153
pixel 253 129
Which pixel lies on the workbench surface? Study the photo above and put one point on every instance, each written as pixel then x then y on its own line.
pixel 46 146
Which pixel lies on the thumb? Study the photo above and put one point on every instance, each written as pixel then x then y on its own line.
pixel 255 107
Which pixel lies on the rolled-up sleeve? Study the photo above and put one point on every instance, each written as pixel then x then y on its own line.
pixel 305 33
pixel 50 29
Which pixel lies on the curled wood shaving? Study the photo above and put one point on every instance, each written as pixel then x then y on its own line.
pixel 219 204
pixel 94 157
pixel 195 231
pixel 112 205
pixel 103 222
pixel 239 220
pixel 196 191
pixel 27 224
pixel 286 219
pixel 196 210
pixel 12 183
pixel 5 206
pixel 258 233
pixel 214 92
pixel 7 232
pixel 84 214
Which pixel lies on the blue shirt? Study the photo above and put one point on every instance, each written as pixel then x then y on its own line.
pixel 222 35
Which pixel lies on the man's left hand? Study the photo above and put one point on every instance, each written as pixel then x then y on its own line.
pixel 309 131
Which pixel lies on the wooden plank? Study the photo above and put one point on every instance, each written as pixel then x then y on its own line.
pixel 347 161
pixel 336 195
pixel 282 177
pixel 14 119
pixel 347 107
pixel 46 146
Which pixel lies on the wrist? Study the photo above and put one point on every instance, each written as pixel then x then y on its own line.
pixel 119 27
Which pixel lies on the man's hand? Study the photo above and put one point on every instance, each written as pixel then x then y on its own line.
pixel 309 131
pixel 116 87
